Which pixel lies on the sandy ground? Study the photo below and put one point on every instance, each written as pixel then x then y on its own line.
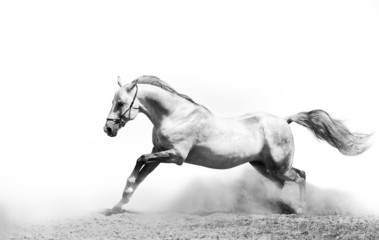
pixel 238 210
pixel 201 226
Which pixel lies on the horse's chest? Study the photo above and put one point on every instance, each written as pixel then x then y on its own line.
pixel 168 138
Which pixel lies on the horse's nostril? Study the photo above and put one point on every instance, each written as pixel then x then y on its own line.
pixel 109 130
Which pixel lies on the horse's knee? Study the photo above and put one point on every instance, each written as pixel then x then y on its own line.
pixel 293 175
pixel 131 179
pixel 301 173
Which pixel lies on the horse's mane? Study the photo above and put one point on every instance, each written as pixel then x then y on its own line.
pixel 155 81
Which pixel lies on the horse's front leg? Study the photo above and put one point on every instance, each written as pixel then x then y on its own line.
pixel 140 172
pixel 144 166
pixel 168 156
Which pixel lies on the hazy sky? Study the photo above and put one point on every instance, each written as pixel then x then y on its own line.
pixel 59 62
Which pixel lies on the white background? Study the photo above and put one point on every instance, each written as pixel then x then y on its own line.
pixel 58 67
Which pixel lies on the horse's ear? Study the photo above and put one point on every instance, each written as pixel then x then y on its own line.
pixel 131 85
pixel 119 81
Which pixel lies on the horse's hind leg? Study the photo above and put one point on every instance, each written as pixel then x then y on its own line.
pixel 302 183
pixel 278 153
pixel 262 169
pixel 297 176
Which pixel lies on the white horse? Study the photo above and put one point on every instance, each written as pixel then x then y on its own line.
pixel 185 131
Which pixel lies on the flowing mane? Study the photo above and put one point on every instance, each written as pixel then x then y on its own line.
pixel 155 81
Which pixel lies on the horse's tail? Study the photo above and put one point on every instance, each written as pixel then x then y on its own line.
pixel 333 131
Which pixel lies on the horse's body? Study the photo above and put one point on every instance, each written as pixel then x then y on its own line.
pixel 185 131
pixel 226 143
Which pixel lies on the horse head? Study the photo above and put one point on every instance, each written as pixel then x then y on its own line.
pixel 125 107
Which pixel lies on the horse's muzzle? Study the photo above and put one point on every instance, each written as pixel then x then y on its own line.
pixel 109 131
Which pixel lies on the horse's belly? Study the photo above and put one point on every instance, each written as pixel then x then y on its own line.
pixel 223 155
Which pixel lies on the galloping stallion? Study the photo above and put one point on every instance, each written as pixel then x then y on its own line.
pixel 187 132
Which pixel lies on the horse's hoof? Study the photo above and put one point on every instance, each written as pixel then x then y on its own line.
pixel 107 212
pixel 117 210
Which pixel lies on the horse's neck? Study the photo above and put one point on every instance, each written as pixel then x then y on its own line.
pixel 158 104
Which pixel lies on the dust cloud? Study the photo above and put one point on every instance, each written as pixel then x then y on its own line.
pixel 248 192
pixel 253 194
